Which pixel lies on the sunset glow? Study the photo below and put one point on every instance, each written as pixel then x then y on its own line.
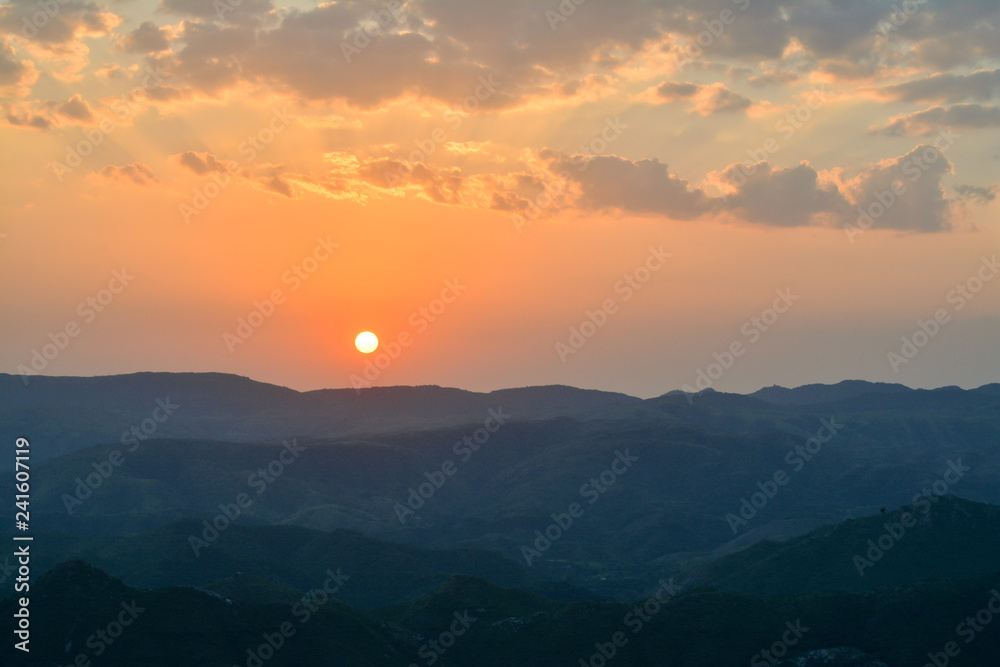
pixel 274 174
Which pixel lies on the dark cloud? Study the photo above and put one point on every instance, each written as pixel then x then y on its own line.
pixel 712 99
pixel 908 191
pixel 723 100
pixel 28 120
pixel 147 38
pixel 774 77
pixel 671 90
pixel 781 197
pixel 977 194
pixel 76 108
pixel 927 122
pixel 251 12
pixel 136 173
pixel 361 52
pixel 201 163
pixel 58 28
pixel 981 85
pixel 643 186
pixel 277 184
pixel 12 70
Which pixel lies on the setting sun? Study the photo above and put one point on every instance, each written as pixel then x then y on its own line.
pixel 366 342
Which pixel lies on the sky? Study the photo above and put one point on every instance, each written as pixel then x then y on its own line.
pixel 629 196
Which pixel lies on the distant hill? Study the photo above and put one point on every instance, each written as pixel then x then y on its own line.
pixel 826 393
pixel 951 538
pixel 272 561
pixel 63 414
pixel 696 462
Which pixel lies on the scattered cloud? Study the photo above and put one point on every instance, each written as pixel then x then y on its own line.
pixel 978 194
pixel 981 85
pixel 135 173
pixel 706 99
pixel 913 184
pixel 147 38
pixel 923 123
pixel 201 163
pixel 76 108
pixel 790 197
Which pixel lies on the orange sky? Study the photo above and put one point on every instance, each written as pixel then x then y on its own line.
pixel 533 158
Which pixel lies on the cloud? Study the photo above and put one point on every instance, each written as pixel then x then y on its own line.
pixel 549 183
pixel 907 190
pixel 16 76
pixel 923 123
pixel 707 99
pixel 642 186
pixel 977 194
pixel 54 29
pixel 230 11
pixel 12 70
pixel 781 197
pixel 76 108
pixel 362 53
pixel 442 185
pixel 672 91
pixel 135 173
pixel 981 85
pixel 147 38
pixel 722 100
pixel 201 163
pixel 276 184
pixel 773 77
pixel 29 120
pixel 954 34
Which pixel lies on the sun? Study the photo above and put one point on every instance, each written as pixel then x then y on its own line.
pixel 366 342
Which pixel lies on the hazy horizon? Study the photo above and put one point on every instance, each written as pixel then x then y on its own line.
pixel 504 388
